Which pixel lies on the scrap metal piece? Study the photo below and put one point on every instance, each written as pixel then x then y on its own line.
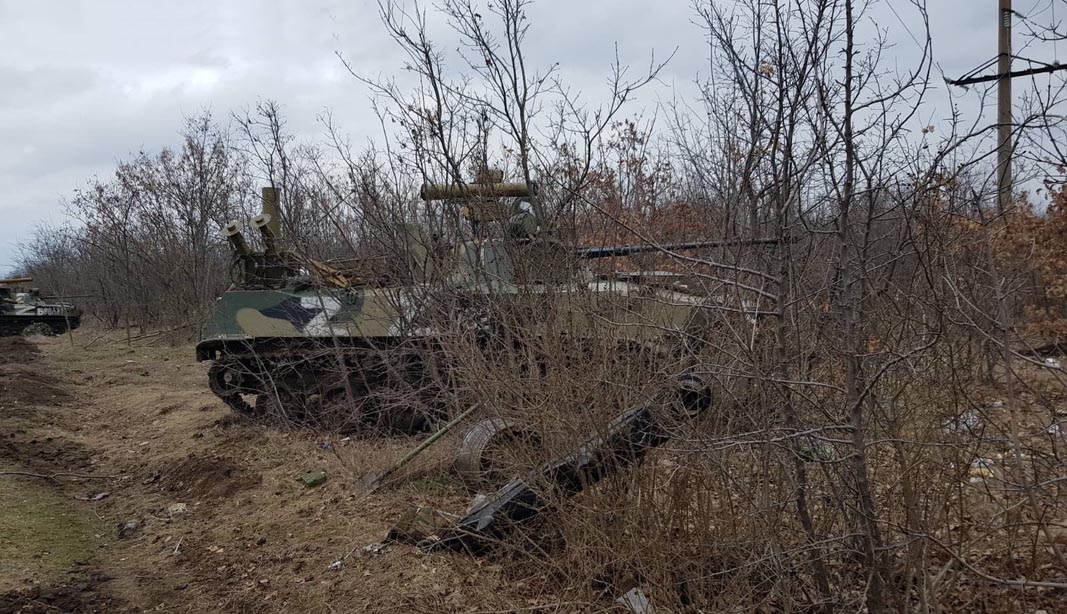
pixel 476 463
pixel 636 601
pixel 313 478
pixel 622 442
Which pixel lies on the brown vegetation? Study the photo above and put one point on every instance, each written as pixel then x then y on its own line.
pixel 886 437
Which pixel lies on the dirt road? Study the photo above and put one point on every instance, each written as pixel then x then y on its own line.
pixel 126 486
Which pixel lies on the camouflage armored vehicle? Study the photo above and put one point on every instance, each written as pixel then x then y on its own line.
pixel 358 345
pixel 22 306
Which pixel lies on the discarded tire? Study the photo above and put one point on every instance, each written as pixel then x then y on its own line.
pixel 479 461
pixel 694 396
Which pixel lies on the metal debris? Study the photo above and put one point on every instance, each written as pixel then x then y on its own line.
pixel 128 528
pixel 377 548
pixel 372 481
pixel 475 463
pixel 623 442
pixel 981 469
pixel 313 478
pixel 636 601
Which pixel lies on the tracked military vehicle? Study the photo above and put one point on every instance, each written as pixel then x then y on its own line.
pixel 356 345
pixel 22 306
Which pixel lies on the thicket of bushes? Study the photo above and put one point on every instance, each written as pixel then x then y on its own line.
pixel 884 437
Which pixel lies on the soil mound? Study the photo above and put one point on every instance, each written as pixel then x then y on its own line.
pixel 207 477
pixel 24 380
pixel 17 350
pixel 82 592
pixel 43 453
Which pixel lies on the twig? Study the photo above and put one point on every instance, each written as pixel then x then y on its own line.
pixel 547 606
pixel 377 480
pixel 981 574
pixel 55 476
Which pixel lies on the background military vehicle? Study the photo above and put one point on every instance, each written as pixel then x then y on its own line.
pixel 351 345
pixel 22 306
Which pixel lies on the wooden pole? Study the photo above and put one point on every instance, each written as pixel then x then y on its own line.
pixel 1004 118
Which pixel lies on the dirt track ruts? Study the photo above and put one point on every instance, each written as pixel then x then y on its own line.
pixel 249 537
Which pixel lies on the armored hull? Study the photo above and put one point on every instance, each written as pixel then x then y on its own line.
pixel 18 311
pixel 313 344
pixel 15 324
pixel 320 357
pixel 368 359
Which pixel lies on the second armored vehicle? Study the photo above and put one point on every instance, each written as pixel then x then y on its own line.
pixel 22 306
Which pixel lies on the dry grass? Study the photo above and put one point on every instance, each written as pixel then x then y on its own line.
pixel 253 538
pixel 706 522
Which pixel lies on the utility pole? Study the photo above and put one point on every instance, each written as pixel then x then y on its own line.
pixel 1004 119
pixel 1003 77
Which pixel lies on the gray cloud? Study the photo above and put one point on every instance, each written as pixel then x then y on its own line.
pixel 89 82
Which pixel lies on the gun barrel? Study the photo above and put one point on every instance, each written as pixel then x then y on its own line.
pixel 625 250
pixel 232 232
pixel 16 280
pixel 442 191
pixel 60 297
pixel 263 223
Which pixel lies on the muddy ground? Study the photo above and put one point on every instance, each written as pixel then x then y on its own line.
pixel 125 486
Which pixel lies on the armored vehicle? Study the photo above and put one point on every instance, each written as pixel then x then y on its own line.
pixel 358 344
pixel 22 306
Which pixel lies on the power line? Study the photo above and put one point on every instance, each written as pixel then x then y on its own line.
pixel 1003 77
pixel 962 81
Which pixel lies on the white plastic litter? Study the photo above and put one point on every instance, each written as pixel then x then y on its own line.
pixel 636 601
pixel 981 469
pixel 963 423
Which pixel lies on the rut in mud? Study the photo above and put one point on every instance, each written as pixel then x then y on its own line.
pixel 176 504
pixel 48 539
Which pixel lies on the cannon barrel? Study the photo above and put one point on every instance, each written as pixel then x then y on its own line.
pixel 625 250
pixel 264 222
pixel 16 280
pixel 232 232
pixel 443 191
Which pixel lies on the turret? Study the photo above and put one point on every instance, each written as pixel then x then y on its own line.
pixel 481 203
pixel 272 264
pixel 275 266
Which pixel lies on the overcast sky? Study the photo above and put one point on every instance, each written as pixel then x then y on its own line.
pixel 84 83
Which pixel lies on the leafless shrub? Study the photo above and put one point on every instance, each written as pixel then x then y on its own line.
pixel 885 436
